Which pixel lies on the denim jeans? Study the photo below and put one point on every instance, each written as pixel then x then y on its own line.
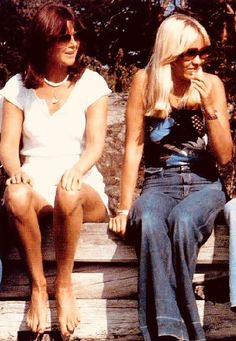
pixel 230 217
pixel 171 219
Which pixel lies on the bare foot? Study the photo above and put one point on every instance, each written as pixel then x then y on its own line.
pixel 67 312
pixel 37 312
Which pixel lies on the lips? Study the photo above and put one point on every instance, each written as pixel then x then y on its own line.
pixel 70 53
pixel 192 71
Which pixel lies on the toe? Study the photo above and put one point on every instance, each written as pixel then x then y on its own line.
pixel 64 330
pixel 71 326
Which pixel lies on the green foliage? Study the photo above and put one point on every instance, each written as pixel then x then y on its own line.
pixel 121 34
pixel 219 18
pixel 130 25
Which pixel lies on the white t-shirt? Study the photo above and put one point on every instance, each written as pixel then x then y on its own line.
pixel 54 142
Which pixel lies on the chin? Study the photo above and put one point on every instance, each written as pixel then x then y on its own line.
pixel 69 62
pixel 188 76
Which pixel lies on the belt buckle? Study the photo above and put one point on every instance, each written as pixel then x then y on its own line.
pixel 183 168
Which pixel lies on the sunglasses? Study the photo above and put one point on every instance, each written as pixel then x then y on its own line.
pixel 66 38
pixel 192 53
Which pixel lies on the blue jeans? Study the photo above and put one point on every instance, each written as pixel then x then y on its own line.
pixel 171 219
pixel 230 217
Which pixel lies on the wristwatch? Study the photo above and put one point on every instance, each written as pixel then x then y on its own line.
pixel 211 117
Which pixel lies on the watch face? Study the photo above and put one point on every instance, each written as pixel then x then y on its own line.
pixel 214 116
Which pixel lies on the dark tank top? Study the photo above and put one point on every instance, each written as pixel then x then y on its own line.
pixel 180 139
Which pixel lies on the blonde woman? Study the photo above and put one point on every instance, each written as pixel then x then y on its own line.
pixel 177 119
pixel 59 109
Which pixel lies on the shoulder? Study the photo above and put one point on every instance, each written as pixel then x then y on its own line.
pixel 14 91
pixel 138 84
pixel 140 78
pixel 136 98
pixel 14 84
pixel 215 80
pixel 139 81
pixel 90 75
pixel 93 86
pixel 15 80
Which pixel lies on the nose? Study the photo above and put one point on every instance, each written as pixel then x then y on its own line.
pixel 197 60
pixel 73 41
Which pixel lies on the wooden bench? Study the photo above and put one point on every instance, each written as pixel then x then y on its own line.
pixel 105 271
pixel 105 282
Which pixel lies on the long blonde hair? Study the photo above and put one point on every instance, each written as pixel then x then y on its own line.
pixel 174 36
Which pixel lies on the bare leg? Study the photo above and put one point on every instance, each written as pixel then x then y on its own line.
pixel 67 219
pixel 23 205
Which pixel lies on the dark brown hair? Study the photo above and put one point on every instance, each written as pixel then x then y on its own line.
pixel 49 22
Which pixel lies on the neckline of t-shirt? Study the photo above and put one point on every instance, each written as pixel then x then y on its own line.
pixel 45 102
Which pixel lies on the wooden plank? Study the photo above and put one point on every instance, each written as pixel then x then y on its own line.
pixel 207 275
pixel 216 249
pixel 114 319
pixel 99 319
pixel 110 281
pixel 218 320
pixel 90 281
pixel 96 244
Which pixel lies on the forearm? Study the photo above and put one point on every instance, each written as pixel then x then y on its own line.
pixel 214 106
pixel 220 141
pixel 129 178
pixel 89 158
pixel 10 160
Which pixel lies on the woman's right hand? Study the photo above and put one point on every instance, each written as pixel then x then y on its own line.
pixel 118 224
pixel 19 177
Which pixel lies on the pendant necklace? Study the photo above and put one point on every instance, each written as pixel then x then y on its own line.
pixel 55 98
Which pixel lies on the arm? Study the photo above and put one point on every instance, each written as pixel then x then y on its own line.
pixel 213 97
pixel 10 142
pixel 134 141
pixel 96 124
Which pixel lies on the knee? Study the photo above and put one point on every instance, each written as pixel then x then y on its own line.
pixel 150 222
pixel 18 199
pixel 181 226
pixel 67 201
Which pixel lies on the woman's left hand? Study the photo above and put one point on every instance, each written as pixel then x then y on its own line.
pixel 71 180
pixel 118 224
pixel 203 85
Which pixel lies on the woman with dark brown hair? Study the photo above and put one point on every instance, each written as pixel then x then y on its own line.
pixel 58 107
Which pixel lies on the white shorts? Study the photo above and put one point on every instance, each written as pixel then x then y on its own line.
pixel 47 172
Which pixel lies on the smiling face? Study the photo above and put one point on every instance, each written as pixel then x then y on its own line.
pixel 65 48
pixel 190 62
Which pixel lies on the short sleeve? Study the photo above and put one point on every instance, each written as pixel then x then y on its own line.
pixel 96 87
pixel 14 91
